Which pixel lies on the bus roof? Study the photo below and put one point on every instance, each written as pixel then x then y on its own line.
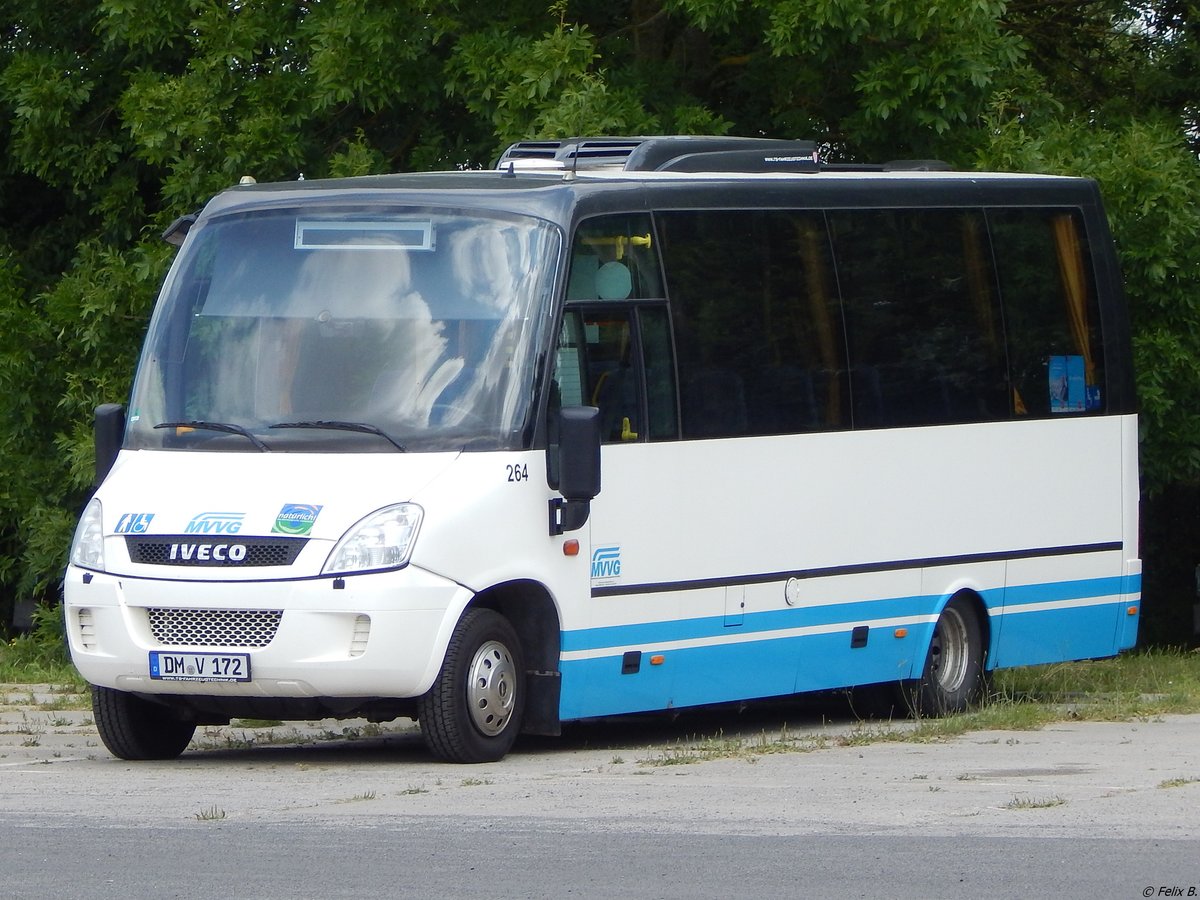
pixel 557 195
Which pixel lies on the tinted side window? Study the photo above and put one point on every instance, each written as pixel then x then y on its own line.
pixel 758 330
pixel 922 321
pixel 618 359
pixel 613 258
pixel 615 349
pixel 1051 316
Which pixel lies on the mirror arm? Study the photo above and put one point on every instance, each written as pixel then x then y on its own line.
pixel 568 515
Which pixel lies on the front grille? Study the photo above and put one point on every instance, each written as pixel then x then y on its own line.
pixel 213 627
pixel 232 552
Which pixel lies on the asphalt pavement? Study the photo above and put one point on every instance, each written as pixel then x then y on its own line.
pixel 778 799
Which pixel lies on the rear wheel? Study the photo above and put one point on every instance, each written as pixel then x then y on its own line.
pixel 473 711
pixel 133 728
pixel 953 677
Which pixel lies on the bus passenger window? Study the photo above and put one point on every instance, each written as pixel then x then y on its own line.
pixel 1051 315
pixel 922 321
pixel 758 328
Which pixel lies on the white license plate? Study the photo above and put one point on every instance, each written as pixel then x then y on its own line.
pixel 166 666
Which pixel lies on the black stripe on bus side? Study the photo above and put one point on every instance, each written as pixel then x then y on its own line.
pixel 858 569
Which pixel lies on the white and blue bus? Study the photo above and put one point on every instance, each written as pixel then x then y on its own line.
pixel 623 425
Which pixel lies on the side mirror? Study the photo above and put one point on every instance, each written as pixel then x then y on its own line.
pixel 579 452
pixel 109 435
pixel 576 462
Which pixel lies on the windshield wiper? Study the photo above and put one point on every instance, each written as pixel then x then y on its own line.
pixel 218 426
pixel 363 427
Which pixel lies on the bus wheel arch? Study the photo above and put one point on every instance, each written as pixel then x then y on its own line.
pixel 954 675
pixel 531 610
pixel 499 676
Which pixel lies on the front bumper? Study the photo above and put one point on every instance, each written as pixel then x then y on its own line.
pixel 382 634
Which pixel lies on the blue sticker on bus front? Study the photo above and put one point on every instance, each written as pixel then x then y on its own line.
pixel 215 523
pixel 133 523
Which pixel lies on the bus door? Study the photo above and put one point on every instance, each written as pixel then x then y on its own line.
pixel 615 353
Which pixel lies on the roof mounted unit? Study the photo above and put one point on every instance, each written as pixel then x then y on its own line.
pixel 573 153
pixel 676 153
pixel 689 153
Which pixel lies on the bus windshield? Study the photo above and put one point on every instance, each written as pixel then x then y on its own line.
pixel 368 329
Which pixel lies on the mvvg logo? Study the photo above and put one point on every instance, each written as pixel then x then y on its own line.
pixel 606 563
pixel 215 523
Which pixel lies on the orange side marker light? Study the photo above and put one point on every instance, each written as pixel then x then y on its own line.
pixel 571 547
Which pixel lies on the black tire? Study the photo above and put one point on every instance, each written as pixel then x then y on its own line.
pixel 133 728
pixel 953 678
pixel 473 712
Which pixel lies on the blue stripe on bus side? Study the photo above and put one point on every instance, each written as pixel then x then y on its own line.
pixel 772 620
pixel 718 674
pixel 1068 590
pixel 744 667
pixel 613 636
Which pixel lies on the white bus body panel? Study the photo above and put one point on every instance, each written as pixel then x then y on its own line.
pixel 745 566
pixel 479 529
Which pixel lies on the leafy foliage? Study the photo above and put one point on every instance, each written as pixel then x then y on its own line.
pixel 39 656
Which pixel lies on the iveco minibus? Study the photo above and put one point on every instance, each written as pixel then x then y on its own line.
pixel 621 425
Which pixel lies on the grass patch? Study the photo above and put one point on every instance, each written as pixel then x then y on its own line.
pixel 701 748
pixel 1034 802
pixel 1136 686
pixel 40 656
pixel 212 814
pixel 1178 782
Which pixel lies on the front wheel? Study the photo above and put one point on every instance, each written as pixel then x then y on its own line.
pixel 953 677
pixel 133 728
pixel 473 712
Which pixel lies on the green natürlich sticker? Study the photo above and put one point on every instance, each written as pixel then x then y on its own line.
pixel 296 519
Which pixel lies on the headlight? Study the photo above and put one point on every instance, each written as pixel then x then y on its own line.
pixel 383 540
pixel 87 550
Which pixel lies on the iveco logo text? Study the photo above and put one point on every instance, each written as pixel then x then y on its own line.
pixel 221 553
pixel 606 562
pixel 215 523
